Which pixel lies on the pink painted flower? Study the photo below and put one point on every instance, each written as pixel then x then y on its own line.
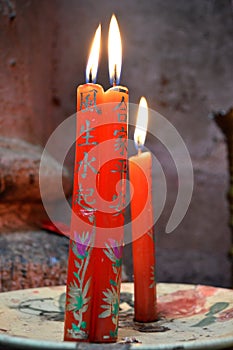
pixel 117 248
pixel 225 315
pixel 114 253
pixel 82 243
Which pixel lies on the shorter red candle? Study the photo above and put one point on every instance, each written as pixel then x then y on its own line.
pixel 142 224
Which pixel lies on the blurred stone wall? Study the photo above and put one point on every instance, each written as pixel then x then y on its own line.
pixel 176 53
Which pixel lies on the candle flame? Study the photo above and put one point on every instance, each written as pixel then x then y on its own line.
pixel 141 125
pixel 93 60
pixel 114 52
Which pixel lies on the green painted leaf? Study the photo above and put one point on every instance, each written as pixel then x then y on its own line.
pixel 79 302
pixel 85 289
pixel 118 262
pixel 82 257
pixel 205 322
pixel 113 333
pixel 115 308
pixel 86 300
pixel 105 314
pixel 113 283
pixel 74 249
pixel 77 264
pixel 109 255
pixel 77 316
pixel 77 275
pixel 114 320
pixel 83 324
pixel 84 308
pixel 106 294
pixel 75 327
pixel 108 247
pixel 217 307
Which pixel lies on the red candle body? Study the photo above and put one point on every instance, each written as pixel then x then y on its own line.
pixel 95 254
pixel 143 238
pixel 108 259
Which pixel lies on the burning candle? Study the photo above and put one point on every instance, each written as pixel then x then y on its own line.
pixel 142 223
pixel 80 274
pixel 95 254
pixel 107 256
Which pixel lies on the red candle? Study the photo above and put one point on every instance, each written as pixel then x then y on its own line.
pixel 95 254
pixel 142 225
pixel 107 256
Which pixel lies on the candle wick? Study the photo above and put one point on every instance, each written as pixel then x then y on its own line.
pixel 90 76
pixel 139 146
pixel 115 75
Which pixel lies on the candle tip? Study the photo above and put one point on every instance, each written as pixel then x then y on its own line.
pixel 114 52
pixel 92 64
pixel 141 125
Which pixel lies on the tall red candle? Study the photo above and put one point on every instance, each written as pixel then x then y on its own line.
pixel 107 256
pixel 142 225
pixel 95 255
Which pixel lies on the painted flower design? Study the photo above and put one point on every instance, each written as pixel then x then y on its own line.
pixel 225 315
pixel 77 298
pixel 111 305
pixel 114 253
pixel 152 278
pixel 82 243
pixel 78 290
